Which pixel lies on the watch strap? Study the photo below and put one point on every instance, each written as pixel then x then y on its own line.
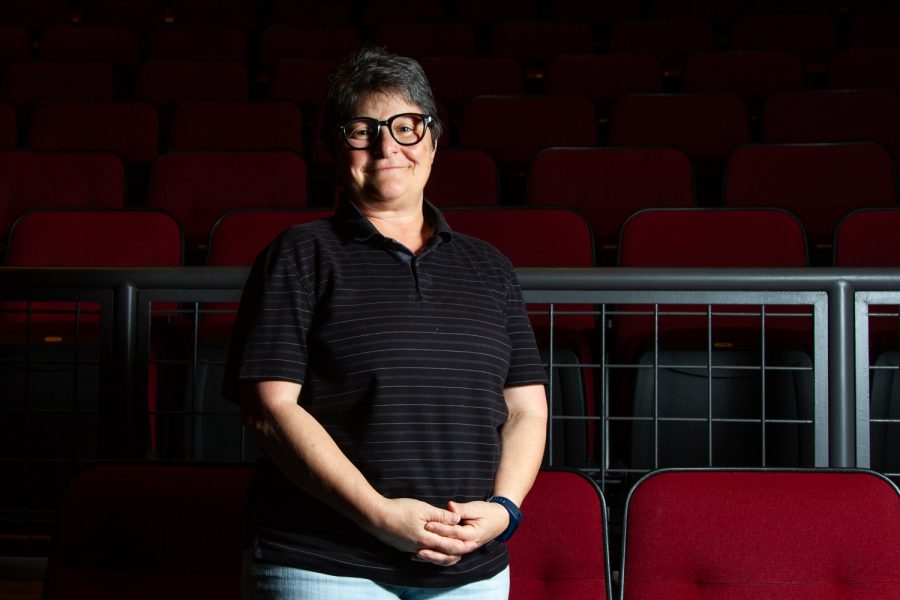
pixel 515 516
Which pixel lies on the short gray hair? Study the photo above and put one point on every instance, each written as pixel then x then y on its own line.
pixel 372 70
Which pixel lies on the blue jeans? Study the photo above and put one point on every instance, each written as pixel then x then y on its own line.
pixel 276 582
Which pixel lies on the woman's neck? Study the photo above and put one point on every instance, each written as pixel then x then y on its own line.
pixel 406 225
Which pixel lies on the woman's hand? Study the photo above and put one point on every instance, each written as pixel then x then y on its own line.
pixel 480 522
pixel 403 523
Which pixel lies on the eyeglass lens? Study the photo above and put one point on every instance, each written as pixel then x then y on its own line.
pixel 407 129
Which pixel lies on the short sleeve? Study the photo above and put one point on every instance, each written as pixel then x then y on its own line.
pixel 525 365
pixel 270 335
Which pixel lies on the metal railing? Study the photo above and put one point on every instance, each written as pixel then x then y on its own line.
pixel 155 374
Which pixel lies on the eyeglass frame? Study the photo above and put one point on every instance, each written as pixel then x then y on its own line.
pixel 428 121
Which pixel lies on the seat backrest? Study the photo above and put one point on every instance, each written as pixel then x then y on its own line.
pixel 15 44
pixel 865 68
pixel 198 187
pixel 130 129
pixel 670 41
pixel 710 237
pixel 868 238
pixel 456 80
pixel 117 46
pixel 197 43
pixel 280 42
pixel 95 238
pixel 488 14
pixel 560 550
pixel 813 37
pixel 596 13
pixel 534 42
pixel 174 531
pixel 833 116
pixel 603 78
pixel 705 126
pixel 609 184
pixel 142 15
pixel 377 13
pixel 304 81
pixel 37 15
pixel 240 235
pixel 437 39
pixel 529 237
pixel 237 126
pixel 29 82
pixel 515 128
pixel 819 183
pixel 165 84
pixel 310 12
pixel 875 28
pixel 762 534
pixel 463 178
pixel 753 75
pixel 58 179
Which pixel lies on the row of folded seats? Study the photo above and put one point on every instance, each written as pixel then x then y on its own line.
pixel 510 129
pixel 767 87
pixel 819 183
pixel 414 32
pixel 178 531
pixel 656 357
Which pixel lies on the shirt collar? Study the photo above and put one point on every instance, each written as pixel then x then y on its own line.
pixel 362 230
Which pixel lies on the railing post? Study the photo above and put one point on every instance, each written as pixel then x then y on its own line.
pixel 842 376
pixel 121 406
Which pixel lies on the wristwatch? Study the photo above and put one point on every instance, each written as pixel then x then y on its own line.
pixel 515 516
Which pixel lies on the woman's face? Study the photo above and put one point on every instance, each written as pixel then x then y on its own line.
pixel 386 172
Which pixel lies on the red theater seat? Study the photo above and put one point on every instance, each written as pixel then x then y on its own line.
pixel 609 184
pixel 155 530
pixel 834 116
pixel 237 126
pixel 129 129
pixel 463 178
pixel 198 187
pixel 515 128
pixel 116 46
pixel 27 83
pixel 58 179
pixel 165 84
pixel 819 183
pixel 762 534
pixel 197 44
pixel 604 78
pixel 561 554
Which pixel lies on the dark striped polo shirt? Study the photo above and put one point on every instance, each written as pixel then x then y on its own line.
pixel 403 359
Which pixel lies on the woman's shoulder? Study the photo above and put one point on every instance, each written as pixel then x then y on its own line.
pixel 304 235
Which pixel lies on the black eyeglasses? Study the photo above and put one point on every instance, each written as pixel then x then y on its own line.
pixel 407 129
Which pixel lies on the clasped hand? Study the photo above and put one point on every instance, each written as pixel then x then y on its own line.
pixel 437 535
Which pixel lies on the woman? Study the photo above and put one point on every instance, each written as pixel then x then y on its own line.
pixel 388 369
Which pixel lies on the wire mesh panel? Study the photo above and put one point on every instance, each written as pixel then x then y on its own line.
pixel 56 412
pixel 683 396
pixel 186 347
pixel 878 381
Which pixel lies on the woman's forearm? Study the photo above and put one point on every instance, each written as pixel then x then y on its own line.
pixel 304 451
pixel 522 441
